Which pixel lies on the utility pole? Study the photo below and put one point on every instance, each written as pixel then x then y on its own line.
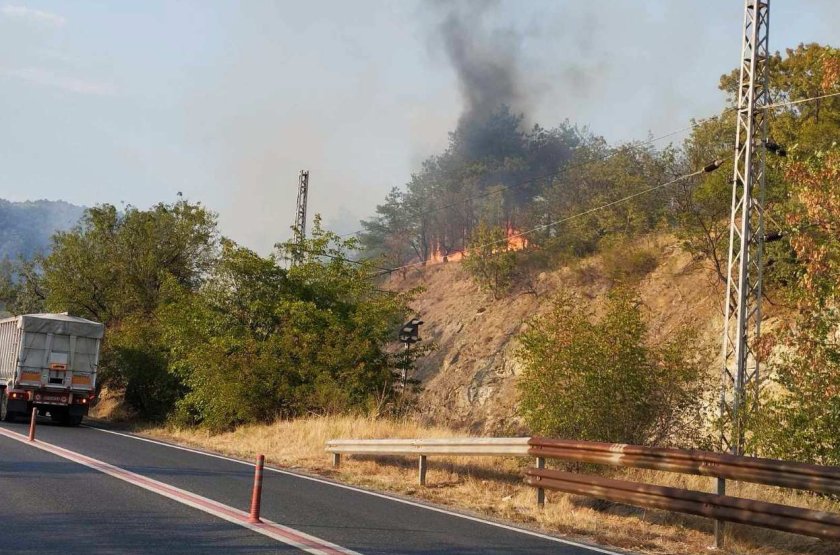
pixel 742 312
pixel 300 215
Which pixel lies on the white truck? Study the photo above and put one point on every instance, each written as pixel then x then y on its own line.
pixel 49 362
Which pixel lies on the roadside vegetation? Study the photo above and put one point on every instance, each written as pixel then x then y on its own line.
pixel 600 380
pixel 205 332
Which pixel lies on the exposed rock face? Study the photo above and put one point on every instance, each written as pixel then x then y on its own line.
pixel 470 380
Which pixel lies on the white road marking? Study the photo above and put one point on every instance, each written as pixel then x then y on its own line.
pixel 290 536
pixel 366 492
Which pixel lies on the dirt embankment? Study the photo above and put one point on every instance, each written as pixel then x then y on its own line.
pixel 469 381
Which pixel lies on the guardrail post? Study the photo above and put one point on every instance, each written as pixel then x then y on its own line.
pixel 32 424
pixel 336 459
pixel 720 525
pixel 256 494
pixel 540 491
pixel 422 470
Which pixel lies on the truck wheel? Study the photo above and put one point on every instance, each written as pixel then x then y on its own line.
pixel 73 420
pixel 5 415
pixel 66 419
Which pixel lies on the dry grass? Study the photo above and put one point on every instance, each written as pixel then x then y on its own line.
pixel 111 406
pixel 493 487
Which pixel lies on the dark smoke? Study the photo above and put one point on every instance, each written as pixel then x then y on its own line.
pixel 484 59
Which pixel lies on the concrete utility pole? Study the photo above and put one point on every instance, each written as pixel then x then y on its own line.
pixel 742 318
pixel 300 215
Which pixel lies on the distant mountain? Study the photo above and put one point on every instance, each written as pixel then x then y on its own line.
pixel 26 227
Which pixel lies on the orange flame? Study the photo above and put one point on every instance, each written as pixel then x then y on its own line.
pixel 515 242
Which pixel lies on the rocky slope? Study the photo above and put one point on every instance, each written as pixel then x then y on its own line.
pixel 469 381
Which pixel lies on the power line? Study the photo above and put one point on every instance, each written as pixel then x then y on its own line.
pixel 607 156
pixel 706 169
pixel 694 124
pixel 560 171
pixel 794 102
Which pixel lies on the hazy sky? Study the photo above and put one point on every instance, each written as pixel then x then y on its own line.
pixel 227 101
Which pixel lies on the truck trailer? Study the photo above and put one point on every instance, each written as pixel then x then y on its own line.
pixel 48 362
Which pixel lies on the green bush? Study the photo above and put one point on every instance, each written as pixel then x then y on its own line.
pixel 260 342
pixel 488 259
pixel 626 263
pixel 599 380
pixel 134 359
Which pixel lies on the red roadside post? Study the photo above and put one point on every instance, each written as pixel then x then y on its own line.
pixel 256 496
pixel 32 424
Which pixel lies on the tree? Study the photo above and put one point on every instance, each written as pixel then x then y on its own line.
pixel 600 380
pixel 21 290
pixel 807 71
pixel 259 341
pixel 120 269
pixel 112 264
pixel 800 416
pixel 491 171
pixel 598 177
pixel 703 204
pixel 488 259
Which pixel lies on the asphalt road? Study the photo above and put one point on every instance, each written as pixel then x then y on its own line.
pixel 52 505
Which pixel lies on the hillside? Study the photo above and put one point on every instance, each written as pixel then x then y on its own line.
pixel 26 227
pixel 469 381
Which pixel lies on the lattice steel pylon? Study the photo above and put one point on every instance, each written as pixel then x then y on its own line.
pixel 742 313
pixel 300 215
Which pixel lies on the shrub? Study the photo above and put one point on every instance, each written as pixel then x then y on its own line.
pixel 600 381
pixel 260 342
pixel 134 360
pixel 488 259
pixel 626 263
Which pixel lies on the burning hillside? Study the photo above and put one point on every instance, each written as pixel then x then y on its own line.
pixel 516 241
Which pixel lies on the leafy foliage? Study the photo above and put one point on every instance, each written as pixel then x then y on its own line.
pixel 803 129
pixel 216 334
pixel 489 173
pixel 258 342
pixel 115 264
pixel 599 380
pixel 800 418
pixel 488 259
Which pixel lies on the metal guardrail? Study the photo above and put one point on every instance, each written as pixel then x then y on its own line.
pixel 720 507
pixel 811 477
pixel 821 479
pixel 462 446
pixel 472 446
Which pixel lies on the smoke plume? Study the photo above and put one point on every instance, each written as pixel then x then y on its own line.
pixel 486 58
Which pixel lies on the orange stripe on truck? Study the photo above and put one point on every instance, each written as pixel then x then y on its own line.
pixel 81 380
pixel 30 376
